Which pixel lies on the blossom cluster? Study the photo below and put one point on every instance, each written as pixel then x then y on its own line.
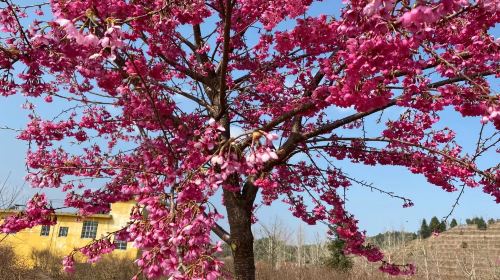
pixel 95 250
pixel 37 212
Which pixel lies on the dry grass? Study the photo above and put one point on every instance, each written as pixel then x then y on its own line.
pixel 460 253
pixel 13 268
pixel 291 271
pixel 49 267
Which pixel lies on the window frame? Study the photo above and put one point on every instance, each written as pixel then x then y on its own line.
pixel 120 244
pixel 89 229
pixel 45 230
pixel 63 230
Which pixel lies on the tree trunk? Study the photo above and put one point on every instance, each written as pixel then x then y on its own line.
pixel 239 213
pixel 239 216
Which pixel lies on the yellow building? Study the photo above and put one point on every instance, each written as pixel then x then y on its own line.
pixel 71 231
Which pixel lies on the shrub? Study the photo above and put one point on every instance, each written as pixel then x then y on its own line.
pixel 337 259
pixel 478 221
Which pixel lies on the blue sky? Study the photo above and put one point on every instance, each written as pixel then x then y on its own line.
pixel 376 212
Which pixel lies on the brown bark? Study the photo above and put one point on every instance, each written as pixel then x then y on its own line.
pixel 239 215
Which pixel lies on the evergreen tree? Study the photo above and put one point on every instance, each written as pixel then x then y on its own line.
pixel 491 221
pixel 478 221
pixel 442 227
pixel 481 224
pixel 424 229
pixel 435 225
pixel 453 223
pixel 391 238
pixel 337 258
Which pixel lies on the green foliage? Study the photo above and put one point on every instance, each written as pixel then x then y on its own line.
pixel 337 259
pixel 436 226
pixel 491 221
pixel 481 224
pixel 424 231
pixel 453 223
pixel 442 227
pixel 391 238
pixel 478 221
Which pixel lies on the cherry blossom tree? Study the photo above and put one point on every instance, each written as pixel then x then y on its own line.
pixel 169 102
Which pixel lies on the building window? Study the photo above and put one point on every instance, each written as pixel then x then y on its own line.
pixel 63 231
pixel 120 244
pixel 89 229
pixel 45 230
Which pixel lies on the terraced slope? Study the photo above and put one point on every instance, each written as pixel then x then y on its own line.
pixel 463 252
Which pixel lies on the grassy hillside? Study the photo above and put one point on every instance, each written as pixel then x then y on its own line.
pixel 463 252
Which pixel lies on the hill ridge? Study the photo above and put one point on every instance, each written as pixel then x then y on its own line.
pixel 463 252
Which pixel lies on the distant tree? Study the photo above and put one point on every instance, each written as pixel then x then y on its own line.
pixel 392 238
pixel 481 224
pixel 435 225
pixel 491 221
pixel 478 221
pixel 272 247
pixel 8 194
pixel 337 258
pixel 269 249
pixel 425 231
pixel 442 226
pixel 453 223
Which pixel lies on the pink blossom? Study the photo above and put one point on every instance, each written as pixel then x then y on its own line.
pixel 146 98
pixel 418 15
pixel 69 264
pixel 37 212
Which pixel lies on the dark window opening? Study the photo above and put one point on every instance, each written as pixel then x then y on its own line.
pixel 120 244
pixel 63 231
pixel 45 230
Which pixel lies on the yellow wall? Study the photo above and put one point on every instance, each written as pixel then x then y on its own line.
pixel 25 242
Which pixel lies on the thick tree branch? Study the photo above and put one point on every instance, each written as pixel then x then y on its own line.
pixel 250 190
pixel 336 124
pixel 186 71
pixel 221 233
pixel 226 50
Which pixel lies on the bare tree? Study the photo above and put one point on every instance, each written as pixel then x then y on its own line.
pixel 275 237
pixel 320 250
pixel 300 246
pixel 8 194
